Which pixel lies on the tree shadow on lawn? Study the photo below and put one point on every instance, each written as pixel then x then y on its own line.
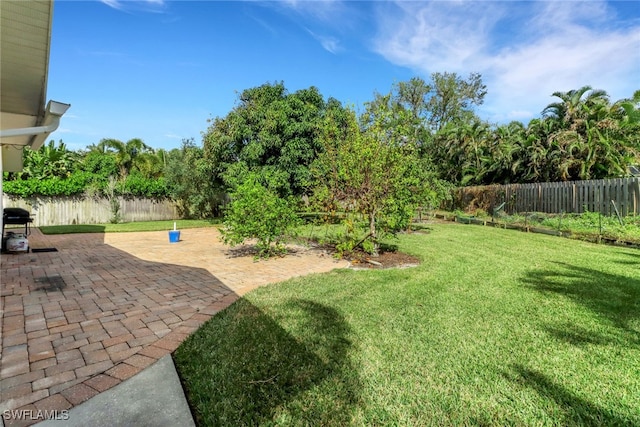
pixel 574 409
pixel 612 296
pixel 243 368
pixel 634 259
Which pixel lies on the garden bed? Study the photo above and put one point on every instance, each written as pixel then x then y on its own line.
pixel 386 259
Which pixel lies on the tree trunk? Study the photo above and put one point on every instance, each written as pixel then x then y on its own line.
pixel 372 233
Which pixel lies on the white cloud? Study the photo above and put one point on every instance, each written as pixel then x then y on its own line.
pixel 323 10
pixel 330 44
pixel 335 15
pixel 270 28
pixel 560 63
pixel 113 3
pixel 519 114
pixel 557 46
pixel 148 5
pixel 435 36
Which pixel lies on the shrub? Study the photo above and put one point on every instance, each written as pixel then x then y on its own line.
pixel 257 212
pixel 73 185
pixel 137 185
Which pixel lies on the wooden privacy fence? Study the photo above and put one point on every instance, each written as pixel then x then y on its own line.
pixel 82 210
pixel 555 197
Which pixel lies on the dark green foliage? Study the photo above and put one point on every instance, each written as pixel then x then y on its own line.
pixel 78 183
pixel 131 156
pixel 270 132
pixel 50 161
pixel 256 211
pixel 100 165
pixel 191 179
pixel 53 170
pixel 137 185
pixel 73 185
pixel 582 136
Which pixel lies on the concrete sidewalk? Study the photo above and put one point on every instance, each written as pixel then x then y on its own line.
pixel 152 398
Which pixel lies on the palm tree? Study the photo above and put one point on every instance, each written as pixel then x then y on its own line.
pixel 477 162
pixel 587 141
pixel 575 105
pixel 128 155
pixel 507 148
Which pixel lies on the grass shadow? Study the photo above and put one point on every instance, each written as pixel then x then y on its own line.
pixel 611 296
pixel 633 260
pixel 71 229
pixel 579 336
pixel 575 411
pixel 244 368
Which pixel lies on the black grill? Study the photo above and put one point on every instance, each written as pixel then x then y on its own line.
pixel 17 216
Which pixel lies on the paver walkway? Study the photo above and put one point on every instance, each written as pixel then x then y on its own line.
pixel 78 321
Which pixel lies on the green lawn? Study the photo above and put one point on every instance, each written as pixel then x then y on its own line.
pixel 496 327
pixel 124 227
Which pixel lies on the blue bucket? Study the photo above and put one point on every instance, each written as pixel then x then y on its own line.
pixel 174 236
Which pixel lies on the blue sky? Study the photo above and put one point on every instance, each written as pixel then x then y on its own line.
pixel 158 70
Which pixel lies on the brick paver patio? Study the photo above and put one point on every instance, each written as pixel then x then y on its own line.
pixel 78 321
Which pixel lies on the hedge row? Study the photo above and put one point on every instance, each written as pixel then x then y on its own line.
pixel 80 182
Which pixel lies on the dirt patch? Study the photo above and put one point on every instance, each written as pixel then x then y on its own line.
pixel 359 259
pixel 391 259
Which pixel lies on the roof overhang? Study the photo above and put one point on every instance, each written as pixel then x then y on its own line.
pixel 25 117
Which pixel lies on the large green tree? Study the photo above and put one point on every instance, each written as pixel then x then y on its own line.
pixel 270 132
pixel 445 99
pixel 373 168
pixel 454 98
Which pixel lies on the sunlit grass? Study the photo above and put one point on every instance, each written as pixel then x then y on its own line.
pixel 127 226
pixel 587 224
pixel 495 327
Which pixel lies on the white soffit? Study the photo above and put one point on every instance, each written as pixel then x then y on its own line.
pixel 25 36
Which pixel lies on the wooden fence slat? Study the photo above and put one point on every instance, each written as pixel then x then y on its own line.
pixel 596 195
pixel 568 197
pixel 76 210
pixel 635 190
pixel 606 197
pixel 624 188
